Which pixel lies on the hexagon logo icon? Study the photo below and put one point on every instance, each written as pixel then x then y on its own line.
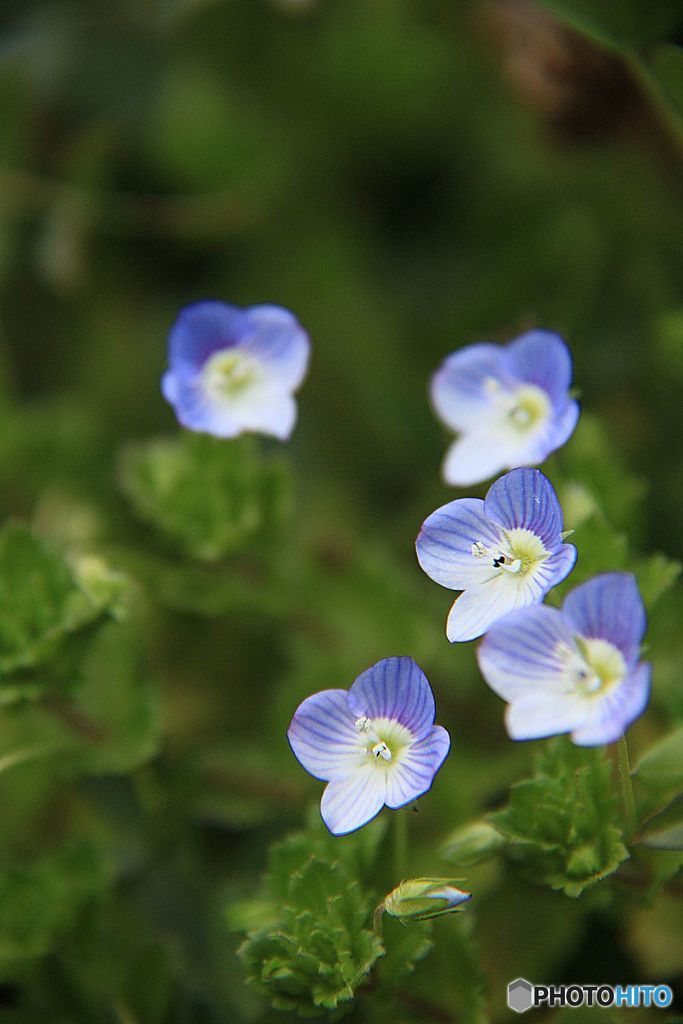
pixel 520 995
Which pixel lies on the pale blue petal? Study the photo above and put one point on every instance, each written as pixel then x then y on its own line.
pixel 395 688
pixel 444 544
pixel 541 358
pixel 477 609
pixel 277 340
pixel 202 329
pixel 609 607
pixel 195 410
pixel 352 800
pixel 540 714
pixel 525 498
pixel 522 652
pixel 265 409
pixel 611 715
pixel 414 775
pixel 458 388
pixel 323 735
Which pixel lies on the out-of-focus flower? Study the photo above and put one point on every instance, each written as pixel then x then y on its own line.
pixel 235 370
pixel 418 899
pixel 504 552
pixel 374 744
pixel 510 405
pixel 572 671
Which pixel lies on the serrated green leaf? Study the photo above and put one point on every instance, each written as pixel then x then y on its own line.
pixel 209 498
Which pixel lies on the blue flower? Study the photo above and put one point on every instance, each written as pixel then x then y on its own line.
pixel 509 404
pixel 374 744
pixel 504 552
pixel 572 671
pixel 235 370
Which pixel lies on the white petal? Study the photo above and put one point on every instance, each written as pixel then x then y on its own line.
pixel 474 457
pixel 352 800
pixel 539 714
pixel 478 608
pixel 266 409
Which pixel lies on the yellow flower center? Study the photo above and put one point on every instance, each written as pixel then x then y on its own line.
pixel 530 406
pixel 384 739
pixel 229 373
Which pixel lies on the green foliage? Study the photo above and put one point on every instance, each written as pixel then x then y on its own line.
pixel 209 498
pixel 661 767
pixel 319 947
pixel 41 902
pixel 48 608
pixel 625 25
pixel 472 844
pixel 563 824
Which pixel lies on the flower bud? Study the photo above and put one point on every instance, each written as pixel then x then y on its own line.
pixel 418 899
pixel 473 843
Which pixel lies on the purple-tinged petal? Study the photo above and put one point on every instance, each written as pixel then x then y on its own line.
pixel 202 329
pixel 274 337
pixel 477 609
pixel 523 652
pixel 395 688
pixel 609 607
pixel 195 410
pixel 611 715
pixel 414 775
pixel 459 390
pixel 540 714
pixel 323 735
pixel 444 544
pixel 557 567
pixel 541 358
pixel 525 498
pixel 352 800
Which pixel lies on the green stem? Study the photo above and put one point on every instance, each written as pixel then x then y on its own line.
pixel 400 845
pixel 626 788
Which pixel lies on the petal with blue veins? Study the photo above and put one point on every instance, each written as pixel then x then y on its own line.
pixel 414 774
pixel 352 800
pixel 444 544
pixel 525 498
pixel 540 714
pixel 609 607
pixel 478 608
pixel 543 359
pixel 397 689
pixel 323 735
pixel 523 652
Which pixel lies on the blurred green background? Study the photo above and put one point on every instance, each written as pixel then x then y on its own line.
pixel 407 176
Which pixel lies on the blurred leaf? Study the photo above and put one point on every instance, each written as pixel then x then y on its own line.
pixel 667 67
pixel 619 24
pixel 41 901
pixel 563 825
pixel 664 831
pixel 44 602
pixel 472 844
pixel 209 497
pixel 655 576
pixel 661 767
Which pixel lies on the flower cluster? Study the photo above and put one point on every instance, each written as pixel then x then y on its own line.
pixel 571 671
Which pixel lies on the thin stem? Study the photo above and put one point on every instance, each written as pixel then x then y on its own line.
pixel 626 788
pixel 400 845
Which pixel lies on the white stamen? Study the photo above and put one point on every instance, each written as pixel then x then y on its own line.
pixel 363 724
pixel 382 750
pixel 478 549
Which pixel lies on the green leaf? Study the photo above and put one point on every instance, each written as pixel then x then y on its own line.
pixel 41 901
pixel 472 844
pixel 661 767
pixel 623 25
pixel 45 601
pixel 563 825
pixel 655 576
pixel 664 830
pixel 209 498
